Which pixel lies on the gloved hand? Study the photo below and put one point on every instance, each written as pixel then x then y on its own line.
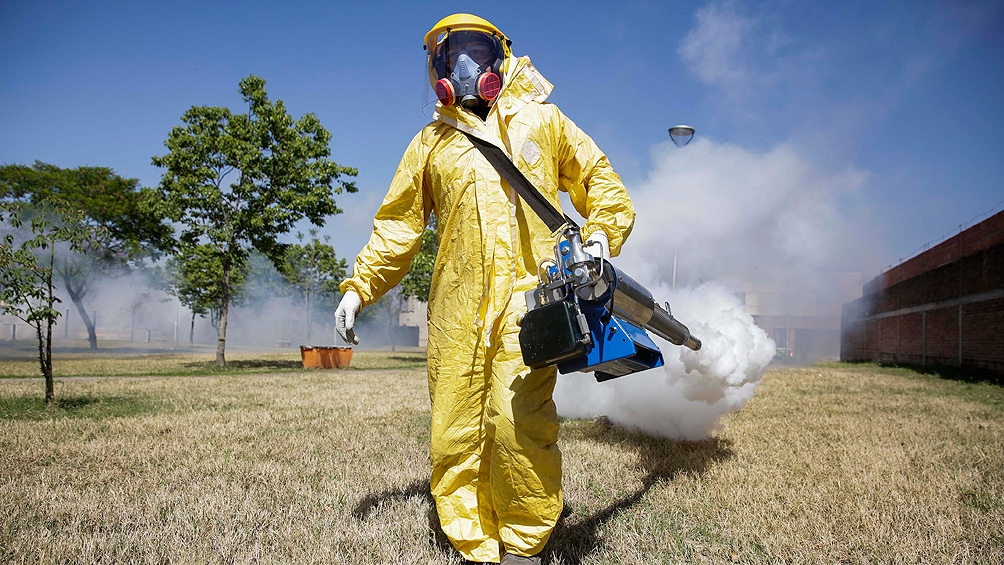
pixel 345 317
pixel 597 245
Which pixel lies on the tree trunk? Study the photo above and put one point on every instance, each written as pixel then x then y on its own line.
pixel 78 301
pixel 221 334
pixel 50 394
pixel 77 296
pixel 45 348
pixel 45 362
pixel 308 314
pixel 191 331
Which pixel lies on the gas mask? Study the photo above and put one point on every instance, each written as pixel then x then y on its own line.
pixel 466 68
pixel 468 83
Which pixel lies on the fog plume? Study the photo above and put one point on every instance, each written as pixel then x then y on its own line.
pixel 688 396
pixel 731 213
pixel 730 221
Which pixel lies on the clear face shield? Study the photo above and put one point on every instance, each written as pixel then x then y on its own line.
pixel 465 69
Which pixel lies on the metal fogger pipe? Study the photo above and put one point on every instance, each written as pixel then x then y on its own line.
pixel 634 302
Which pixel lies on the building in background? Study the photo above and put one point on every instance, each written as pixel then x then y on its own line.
pixel 943 307
pixel 414 315
pixel 804 324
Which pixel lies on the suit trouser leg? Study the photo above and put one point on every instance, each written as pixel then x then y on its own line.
pixel 496 475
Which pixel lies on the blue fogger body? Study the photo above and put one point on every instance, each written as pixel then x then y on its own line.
pixel 586 315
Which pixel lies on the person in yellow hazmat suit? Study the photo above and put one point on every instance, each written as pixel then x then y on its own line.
pixel 496 467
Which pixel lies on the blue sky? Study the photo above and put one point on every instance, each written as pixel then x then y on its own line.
pixel 861 131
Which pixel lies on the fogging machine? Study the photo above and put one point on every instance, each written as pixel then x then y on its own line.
pixel 585 314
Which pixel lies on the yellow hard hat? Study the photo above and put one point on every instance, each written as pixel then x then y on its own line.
pixel 463 22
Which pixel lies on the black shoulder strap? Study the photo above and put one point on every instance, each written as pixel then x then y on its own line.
pixel 551 216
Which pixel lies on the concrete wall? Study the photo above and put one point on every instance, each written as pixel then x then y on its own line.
pixel 942 307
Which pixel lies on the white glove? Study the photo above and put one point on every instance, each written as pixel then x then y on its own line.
pixel 597 245
pixel 345 317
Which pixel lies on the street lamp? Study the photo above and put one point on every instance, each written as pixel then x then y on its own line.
pixel 681 134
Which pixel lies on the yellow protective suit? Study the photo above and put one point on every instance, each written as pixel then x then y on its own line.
pixel 496 468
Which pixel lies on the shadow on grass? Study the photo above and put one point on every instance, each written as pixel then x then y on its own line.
pixel 971 376
pixel 572 541
pixel 413 358
pixel 663 459
pixel 371 502
pixel 947 372
pixel 243 364
pixel 89 407
pixel 265 364
pixel 77 403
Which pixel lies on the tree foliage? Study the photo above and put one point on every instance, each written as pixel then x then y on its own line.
pixel 235 182
pixel 194 273
pixel 314 270
pixel 27 266
pixel 124 217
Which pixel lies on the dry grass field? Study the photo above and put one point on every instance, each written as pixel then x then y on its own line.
pixel 270 463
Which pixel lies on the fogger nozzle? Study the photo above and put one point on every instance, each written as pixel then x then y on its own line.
pixel 664 325
pixel 634 302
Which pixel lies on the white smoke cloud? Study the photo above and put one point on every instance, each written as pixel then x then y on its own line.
pixel 731 213
pixel 733 219
pixel 687 397
pixel 130 308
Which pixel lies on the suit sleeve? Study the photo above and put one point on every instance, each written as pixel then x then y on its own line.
pixel 397 229
pixel 596 191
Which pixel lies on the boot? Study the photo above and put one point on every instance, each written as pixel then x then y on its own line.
pixel 510 559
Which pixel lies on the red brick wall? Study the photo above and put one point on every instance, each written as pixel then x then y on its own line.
pixel 983 343
pixel 943 307
pixel 943 335
pixel 911 336
pixel 983 235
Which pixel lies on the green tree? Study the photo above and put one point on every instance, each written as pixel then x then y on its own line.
pixel 27 267
pixel 193 275
pixel 127 218
pixel 314 271
pixel 235 182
